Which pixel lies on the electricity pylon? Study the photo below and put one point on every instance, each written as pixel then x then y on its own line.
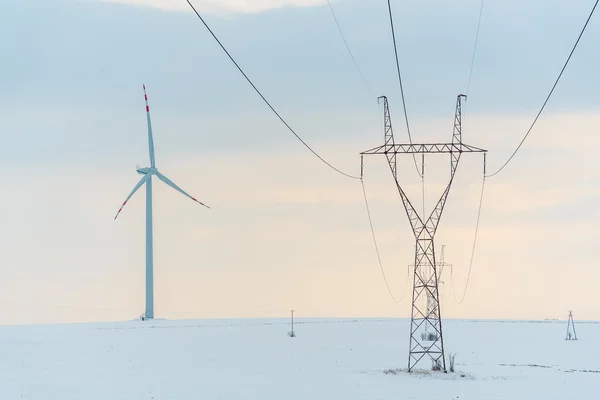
pixel 431 304
pixel 571 326
pixel 425 281
pixel 431 301
pixel 440 268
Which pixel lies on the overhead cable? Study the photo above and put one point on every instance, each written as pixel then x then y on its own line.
pixel 400 82
pixel 364 79
pixel 377 251
pixel 263 97
pixel 472 251
pixel 349 50
pixel 551 91
pixel 475 47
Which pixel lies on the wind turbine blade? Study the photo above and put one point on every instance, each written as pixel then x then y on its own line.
pixel 174 186
pixel 140 183
pixel 150 138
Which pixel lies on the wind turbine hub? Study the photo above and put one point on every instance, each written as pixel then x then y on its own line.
pixel 147 171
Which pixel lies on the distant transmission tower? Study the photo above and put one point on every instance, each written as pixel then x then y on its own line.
pixel 431 303
pixel 440 267
pixel 571 326
pixel 425 317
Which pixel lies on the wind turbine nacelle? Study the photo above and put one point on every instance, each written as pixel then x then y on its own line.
pixel 146 171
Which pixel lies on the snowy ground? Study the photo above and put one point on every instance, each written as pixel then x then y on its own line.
pixel 329 359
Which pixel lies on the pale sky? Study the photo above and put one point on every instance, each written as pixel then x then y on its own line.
pixel 285 232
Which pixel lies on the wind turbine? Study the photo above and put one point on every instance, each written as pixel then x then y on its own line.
pixel 147 173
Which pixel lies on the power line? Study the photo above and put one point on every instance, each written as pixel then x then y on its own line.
pixel 377 250
pixel 351 53
pixel 472 250
pixel 483 183
pixel 349 50
pixel 400 81
pixel 551 91
pixel 263 97
pixel 475 47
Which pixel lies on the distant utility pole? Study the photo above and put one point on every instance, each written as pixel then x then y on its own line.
pixel 292 334
pixel 425 317
pixel 571 326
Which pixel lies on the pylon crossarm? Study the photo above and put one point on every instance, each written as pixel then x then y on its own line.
pixel 423 148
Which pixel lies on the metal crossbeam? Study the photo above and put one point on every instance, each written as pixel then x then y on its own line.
pixel 426 148
pixel 426 338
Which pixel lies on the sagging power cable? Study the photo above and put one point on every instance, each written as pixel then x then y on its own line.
pixel 475 48
pixel 472 251
pixel 354 61
pixel 549 94
pixel 377 251
pixel 263 97
pixel 400 81
pixel 348 48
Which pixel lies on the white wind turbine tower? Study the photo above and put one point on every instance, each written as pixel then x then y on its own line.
pixel 147 180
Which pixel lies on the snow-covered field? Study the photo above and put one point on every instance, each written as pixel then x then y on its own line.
pixel 329 359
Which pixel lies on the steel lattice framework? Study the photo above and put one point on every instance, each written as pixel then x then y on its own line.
pixel 431 303
pixel 571 327
pixel 425 317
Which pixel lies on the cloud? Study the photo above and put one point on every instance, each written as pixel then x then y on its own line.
pixel 220 6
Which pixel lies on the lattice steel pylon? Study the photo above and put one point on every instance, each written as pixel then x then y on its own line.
pixel 425 282
pixel 431 302
pixel 571 327
pixel 440 267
